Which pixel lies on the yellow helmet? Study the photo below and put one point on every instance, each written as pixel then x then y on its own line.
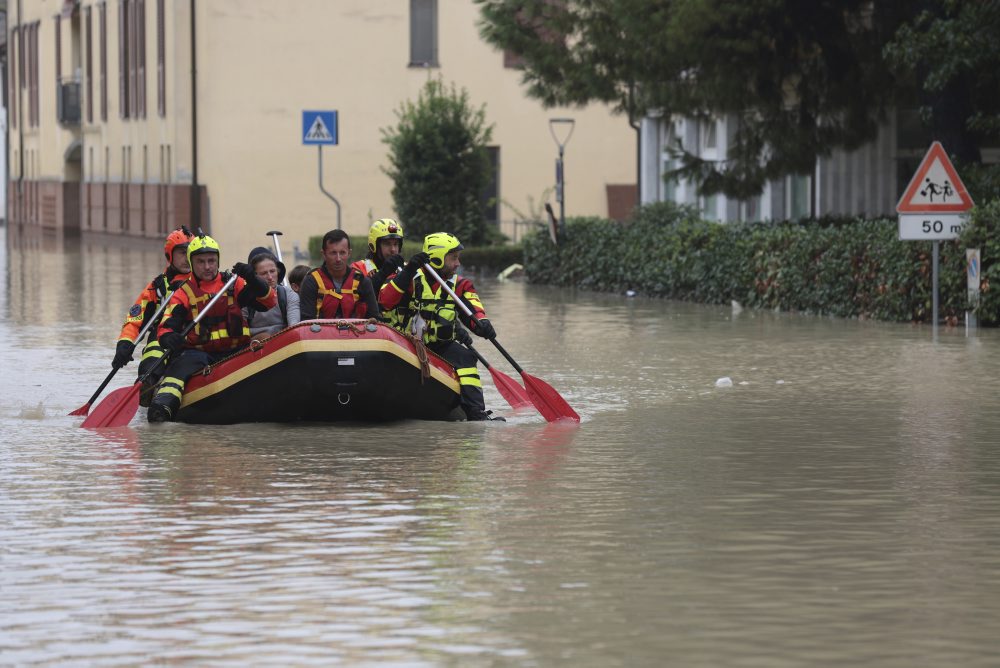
pixel 202 244
pixel 384 228
pixel 439 244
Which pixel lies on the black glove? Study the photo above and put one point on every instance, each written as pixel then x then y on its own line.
pixel 484 328
pixel 393 263
pixel 418 261
pixel 123 354
pixel 462 336
pixel 244 271
pixel 171 342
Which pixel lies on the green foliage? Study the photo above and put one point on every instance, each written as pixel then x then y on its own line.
pixel 359 248
pixel 800 78
pixel 439 164
pixel 474 258
pixel 491 258
pixel 839 267
pixel 949 52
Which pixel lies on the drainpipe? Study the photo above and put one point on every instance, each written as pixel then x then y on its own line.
pixel 20 114
pixel 195 194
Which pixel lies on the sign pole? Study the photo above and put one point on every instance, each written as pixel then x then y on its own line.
pixel 324 190
pixel 936 255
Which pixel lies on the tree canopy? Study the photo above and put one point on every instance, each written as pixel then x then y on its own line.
pixel 800 78
pixel 439 164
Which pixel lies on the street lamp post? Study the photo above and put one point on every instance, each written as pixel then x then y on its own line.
pixel 559 127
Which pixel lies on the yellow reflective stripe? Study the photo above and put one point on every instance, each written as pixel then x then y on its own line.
pixel 165 389
pixel 151 353
pixel 473 299
pixel 468 376
pixel 396 287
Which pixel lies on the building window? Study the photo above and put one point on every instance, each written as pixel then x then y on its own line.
pixel 491 195
pixel 103 25
pixel 139 55
pixel 161 59
pixel 423 33
pixel 58 40
pixel 33 75
pixel 13 76
pixel 124 62
pixel 89 67
pixel 798 197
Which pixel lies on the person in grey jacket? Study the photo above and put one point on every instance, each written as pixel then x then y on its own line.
pixel 286 312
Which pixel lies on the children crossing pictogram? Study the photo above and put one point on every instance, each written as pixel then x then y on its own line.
pixel 935 187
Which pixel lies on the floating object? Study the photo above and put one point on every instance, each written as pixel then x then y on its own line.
pixel 737 307
pixel 324 371
pixel 780 382
pixel 725 381
pixel 513 271
pixel 630 293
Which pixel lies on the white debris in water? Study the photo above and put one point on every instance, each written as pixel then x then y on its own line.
pixel 737 307
pixel 780 382
pixel 630 293
pixel 744 382
pixel 725 381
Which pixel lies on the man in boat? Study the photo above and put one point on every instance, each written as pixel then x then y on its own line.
pixel 385 243
pixel 146 304
pixel 220 333
pixel 433 315
pixel 335 289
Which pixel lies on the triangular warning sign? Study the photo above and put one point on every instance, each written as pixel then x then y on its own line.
pixel 318 131
pixel 936 187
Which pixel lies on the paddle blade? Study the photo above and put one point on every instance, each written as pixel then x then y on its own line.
pixel 510 390
pixel 548 402
pixel 82 410
pixel 117 409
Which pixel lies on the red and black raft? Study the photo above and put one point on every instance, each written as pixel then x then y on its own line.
pixel 324 371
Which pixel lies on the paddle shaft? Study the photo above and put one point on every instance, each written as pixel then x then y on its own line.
pixel 191 325
pixel 274 234
pixel 118 409
pixel 138 338
pixel 545 398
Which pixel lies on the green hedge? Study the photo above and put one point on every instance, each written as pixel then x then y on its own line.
pixel 476 258
pixel 839 267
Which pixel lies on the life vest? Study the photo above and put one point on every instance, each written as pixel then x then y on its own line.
pixel 224 327
pixel 437 308
pixel 343 304
pixel 365 267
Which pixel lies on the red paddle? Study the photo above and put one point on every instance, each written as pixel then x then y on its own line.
pixel 119 407
pixel 84 409
pixel 507 386
pixel 544 397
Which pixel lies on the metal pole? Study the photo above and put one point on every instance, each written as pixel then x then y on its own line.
pixel 562 195
pixel 324 190
pixel 274 234
pixel 934 280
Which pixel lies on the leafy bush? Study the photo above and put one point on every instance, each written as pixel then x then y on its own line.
pixel 846 268
pixel 440 165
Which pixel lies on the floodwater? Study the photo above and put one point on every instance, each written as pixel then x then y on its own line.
pixel 839 504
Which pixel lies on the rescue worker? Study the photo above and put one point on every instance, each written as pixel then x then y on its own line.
pixel 335 289
pixel 434 315
pixel 220 333
pixel 385 243
pixel 146 304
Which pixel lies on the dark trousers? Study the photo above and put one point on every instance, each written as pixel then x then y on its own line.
pixel 182 367
pixel 464 361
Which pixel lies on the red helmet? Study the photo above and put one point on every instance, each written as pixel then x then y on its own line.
pixel 178 238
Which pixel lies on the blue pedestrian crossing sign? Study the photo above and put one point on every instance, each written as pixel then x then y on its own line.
pixel 319 127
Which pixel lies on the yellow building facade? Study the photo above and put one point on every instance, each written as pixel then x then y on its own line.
pixel 132 117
